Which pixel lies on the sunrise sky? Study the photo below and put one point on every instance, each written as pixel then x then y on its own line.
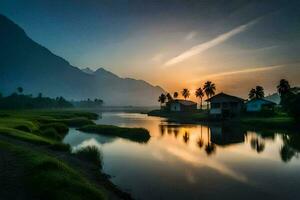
pixel 174 44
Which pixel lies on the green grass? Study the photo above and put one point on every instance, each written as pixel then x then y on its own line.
pixel 49 178
pixel 134 134
pixel 91 154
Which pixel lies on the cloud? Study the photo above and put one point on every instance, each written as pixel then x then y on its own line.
pixel 191 35
pixel 209 44
pixel 242 71
pixel 157 58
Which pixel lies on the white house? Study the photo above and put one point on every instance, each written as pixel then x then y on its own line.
pixel 179 105
pixel 256 105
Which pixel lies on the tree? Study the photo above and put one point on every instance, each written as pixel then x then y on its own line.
pixel 200 94
pixel 40 95
pixel 162 99
pixel 257 93
pixel 283 87
pixel 169 97
pixel 20 90
pixel 185 93
pixel 175 95
pixel 209 88
pixel 252 93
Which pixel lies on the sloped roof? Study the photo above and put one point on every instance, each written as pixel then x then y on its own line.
pixel 183 102
pixel 223 95
pixel 264 100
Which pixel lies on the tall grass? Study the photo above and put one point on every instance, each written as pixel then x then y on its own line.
pixel 91 154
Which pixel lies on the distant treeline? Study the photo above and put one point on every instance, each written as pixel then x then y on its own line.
pixel 18 100
pixel 96 103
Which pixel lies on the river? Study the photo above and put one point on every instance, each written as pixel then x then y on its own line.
pixel 188 161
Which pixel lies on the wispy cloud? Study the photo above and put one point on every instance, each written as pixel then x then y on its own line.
pixel 209 44
pixel 191 35
pixel 242 71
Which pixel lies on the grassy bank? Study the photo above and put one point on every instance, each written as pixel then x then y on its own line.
pixel 134 134
pixel 46 177
pixel 32 141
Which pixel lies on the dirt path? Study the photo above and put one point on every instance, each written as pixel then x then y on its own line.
pixel 11 173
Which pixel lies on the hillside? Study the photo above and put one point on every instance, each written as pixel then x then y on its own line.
pixel 28 64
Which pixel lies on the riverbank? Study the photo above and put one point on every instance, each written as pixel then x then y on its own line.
pixel 278 121
pixel 34 158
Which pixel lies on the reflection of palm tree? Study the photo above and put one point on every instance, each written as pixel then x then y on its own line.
pixel 286 153
pixel 186 137
pixel 162 129
pixel 257 145
pixel 176 131
pixel 169 130
pixel 210 147
pixel 200 141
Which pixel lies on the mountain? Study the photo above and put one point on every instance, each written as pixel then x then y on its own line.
pixel 87 70
pixel 26 63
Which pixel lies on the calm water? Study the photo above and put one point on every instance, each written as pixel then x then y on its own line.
pixel 184 161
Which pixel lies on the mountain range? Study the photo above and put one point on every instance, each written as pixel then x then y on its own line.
pixel 25 63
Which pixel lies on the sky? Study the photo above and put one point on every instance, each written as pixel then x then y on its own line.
pixel 175 44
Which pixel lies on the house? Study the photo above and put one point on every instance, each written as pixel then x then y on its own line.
pixel 179 105
pixel 224 105
pixel 257 105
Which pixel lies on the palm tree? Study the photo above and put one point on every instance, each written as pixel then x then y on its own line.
pixel 209 89
pixel 257 93
pixel 283 87
pixel 162 99
pixel 260 92
pixel 199 93
pixel 185 93
pixel 252 93
pixel 169 97
pixel 20 90
pixel 175 95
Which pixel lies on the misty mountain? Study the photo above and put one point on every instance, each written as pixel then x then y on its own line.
pixel 26 63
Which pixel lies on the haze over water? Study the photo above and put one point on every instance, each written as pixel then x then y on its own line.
pixel 187 161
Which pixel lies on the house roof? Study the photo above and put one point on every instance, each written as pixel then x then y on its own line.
pixel 223 95
pixel 183 102
pixel 264 100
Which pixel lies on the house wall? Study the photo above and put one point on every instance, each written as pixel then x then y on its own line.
pixel 175 107
pixel 254 106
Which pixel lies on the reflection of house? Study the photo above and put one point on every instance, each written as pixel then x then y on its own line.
pixel 179 105
pixel 225 136
pixel 256 105
pixel 225 105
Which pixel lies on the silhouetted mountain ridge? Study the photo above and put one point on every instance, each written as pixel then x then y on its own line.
pixel 25 63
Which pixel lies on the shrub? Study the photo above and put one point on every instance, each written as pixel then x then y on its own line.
pixel 60 147
pixel 91 154
pixel 61 128
pixel 51 133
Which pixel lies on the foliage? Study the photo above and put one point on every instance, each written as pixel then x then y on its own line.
pixel 185 93
pixel 169 97
pixel 91 154
pixel 21 101
pixel 135 134
pixel 200 94
pixel 257 93
pixel 175 95
pixel 209 88
pixel 162 99
pixel 96 103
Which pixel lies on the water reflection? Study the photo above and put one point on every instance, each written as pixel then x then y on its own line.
pixel 184 161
